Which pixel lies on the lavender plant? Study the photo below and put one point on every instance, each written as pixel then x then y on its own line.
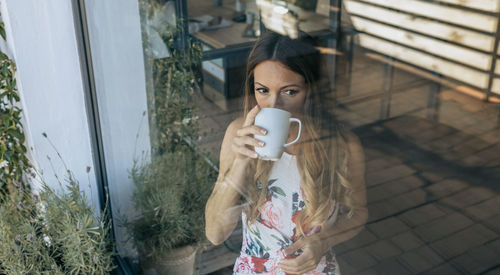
pixel 54 232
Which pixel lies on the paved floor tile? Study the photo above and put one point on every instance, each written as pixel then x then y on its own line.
pixel 444 269
pixel 422 214
pixel 392 267
pixel 434 175
pixel 464 240
pixel 363 238
pixel 345 267
pixel 380 210
pixel 368 271
pixel 486 209
pixel 359 259
pixel 442 227
pixel 468 196
pixel 445 143
pixel 408 200
pixel 383 249
pixel 407 241
pixel 495 271
pixel 445 188
pixel 378 164
pixel 478 260
pixel 495 245
pixel 471 146
pixel 491 136
pixel 371 154
pixel 393 188
pixel 392 173
pixel 421 259
pixel 388 227
pixel 431 134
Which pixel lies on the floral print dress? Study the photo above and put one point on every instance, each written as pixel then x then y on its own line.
pixel 265 240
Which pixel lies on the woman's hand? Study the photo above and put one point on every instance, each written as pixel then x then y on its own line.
pixel 313 250
pixel 243 141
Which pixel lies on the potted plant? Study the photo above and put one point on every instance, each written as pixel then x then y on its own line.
pixel 170 195
pixel 173 182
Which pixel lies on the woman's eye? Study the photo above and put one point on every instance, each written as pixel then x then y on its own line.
pixel 261 90
pixel 291 92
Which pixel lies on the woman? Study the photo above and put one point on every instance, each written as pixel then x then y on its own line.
pixel 294 210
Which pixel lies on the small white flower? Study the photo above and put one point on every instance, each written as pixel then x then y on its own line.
pixel 47 240
pixel 3 164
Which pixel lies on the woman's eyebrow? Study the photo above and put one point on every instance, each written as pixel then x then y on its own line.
pixel 286 86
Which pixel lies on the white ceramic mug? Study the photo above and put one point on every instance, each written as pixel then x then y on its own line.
pixel 277 123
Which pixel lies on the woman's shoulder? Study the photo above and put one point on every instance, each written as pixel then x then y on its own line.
pixel 353 141
pixel 237 123
pixel 348 138
pixel 357 155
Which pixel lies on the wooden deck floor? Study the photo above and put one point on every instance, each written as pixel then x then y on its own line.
pixel 433 174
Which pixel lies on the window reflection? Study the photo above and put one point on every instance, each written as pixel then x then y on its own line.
pixel 396 169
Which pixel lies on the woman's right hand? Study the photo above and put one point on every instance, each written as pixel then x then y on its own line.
pixel 243 142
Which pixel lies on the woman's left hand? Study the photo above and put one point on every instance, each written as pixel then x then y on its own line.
pixel 312 251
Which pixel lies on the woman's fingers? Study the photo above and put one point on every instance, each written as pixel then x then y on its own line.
pixel 243 150
pixel 247 140
pixel 251 130
pixel 243 139
pixel 249 120
pixel 298 270
pixel 299 265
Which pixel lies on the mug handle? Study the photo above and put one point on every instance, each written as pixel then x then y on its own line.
pixel 300 131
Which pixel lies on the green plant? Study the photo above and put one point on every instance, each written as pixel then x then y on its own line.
pixel 174 81
pixel 174 182
pixel 44 233
pixel 54 234
pixel 13 160
pixel 170 194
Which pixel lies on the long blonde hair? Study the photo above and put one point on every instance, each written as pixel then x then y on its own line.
pixel 323 152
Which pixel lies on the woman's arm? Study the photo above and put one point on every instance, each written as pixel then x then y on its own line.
pixel 222 210
pixel 343 229
pixel 223 206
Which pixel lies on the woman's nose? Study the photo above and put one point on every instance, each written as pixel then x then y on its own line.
pixel 275 102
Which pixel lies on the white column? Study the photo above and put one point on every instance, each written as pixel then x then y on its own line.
pixel 118 64
pixel 41 40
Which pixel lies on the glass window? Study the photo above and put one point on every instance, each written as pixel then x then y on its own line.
pixel 381 144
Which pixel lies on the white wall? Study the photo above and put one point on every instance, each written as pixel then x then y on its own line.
pixel 41 39
pixel 117 58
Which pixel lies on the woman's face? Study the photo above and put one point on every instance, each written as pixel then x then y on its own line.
pixel 276 86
